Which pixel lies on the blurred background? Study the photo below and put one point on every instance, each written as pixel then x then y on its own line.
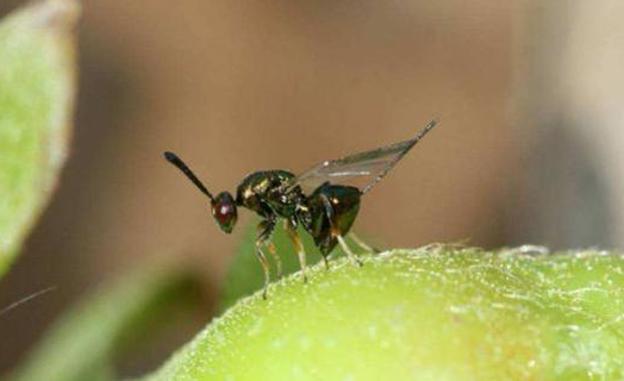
pixel 529 147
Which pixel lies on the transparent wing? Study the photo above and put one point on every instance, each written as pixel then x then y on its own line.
pixel 371 166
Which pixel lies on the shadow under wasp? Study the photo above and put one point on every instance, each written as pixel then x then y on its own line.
pixel 319 199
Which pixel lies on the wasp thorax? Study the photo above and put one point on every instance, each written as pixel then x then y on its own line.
pixel 224 211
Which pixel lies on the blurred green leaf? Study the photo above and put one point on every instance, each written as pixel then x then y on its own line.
pixel 37 85
pixel 245 274
pixel 82 345
pixel 437 313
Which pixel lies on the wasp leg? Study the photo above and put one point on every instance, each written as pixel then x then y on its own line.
pixel 325 261
pixel 265 228
pixel 358 241
pixel 354 259
pixel 296 240
pixel 276 258
pixel 265 266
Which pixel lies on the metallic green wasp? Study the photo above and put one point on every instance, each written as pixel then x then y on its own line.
pixel 319 199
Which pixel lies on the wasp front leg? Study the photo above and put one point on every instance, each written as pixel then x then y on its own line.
pixel 291 229
pixel 265 228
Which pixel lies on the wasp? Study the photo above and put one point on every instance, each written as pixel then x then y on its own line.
pixel 319 199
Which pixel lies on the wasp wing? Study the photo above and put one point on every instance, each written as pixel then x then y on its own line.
pixel 370 165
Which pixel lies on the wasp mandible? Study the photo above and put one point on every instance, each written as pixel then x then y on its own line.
pixel 319 199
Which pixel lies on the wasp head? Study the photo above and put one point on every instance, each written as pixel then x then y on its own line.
pixel 223 206
pixel 224 211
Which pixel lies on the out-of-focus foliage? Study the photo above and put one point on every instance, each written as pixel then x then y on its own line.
pixel 437 313
pixel 82 345
pixel 37 84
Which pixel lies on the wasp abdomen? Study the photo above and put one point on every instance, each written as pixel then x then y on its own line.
pixel 332 209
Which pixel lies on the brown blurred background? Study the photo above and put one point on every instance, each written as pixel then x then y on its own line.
pixel 529 149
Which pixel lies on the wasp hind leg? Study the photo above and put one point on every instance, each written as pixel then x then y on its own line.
pixel 352 257
pixel 265 228
pixel 366 247
pixel 291 229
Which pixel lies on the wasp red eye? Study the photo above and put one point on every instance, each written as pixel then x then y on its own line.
pixel 224 211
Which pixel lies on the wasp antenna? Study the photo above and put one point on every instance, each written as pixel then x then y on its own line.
pixel 175 160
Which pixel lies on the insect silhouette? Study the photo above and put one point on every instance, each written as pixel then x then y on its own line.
pixel 319 199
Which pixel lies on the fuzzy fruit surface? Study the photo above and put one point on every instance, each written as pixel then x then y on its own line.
pixel 437 313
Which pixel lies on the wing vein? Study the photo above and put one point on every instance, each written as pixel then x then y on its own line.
pixel 412 143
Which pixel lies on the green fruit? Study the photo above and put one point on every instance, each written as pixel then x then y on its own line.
pixel 437 313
